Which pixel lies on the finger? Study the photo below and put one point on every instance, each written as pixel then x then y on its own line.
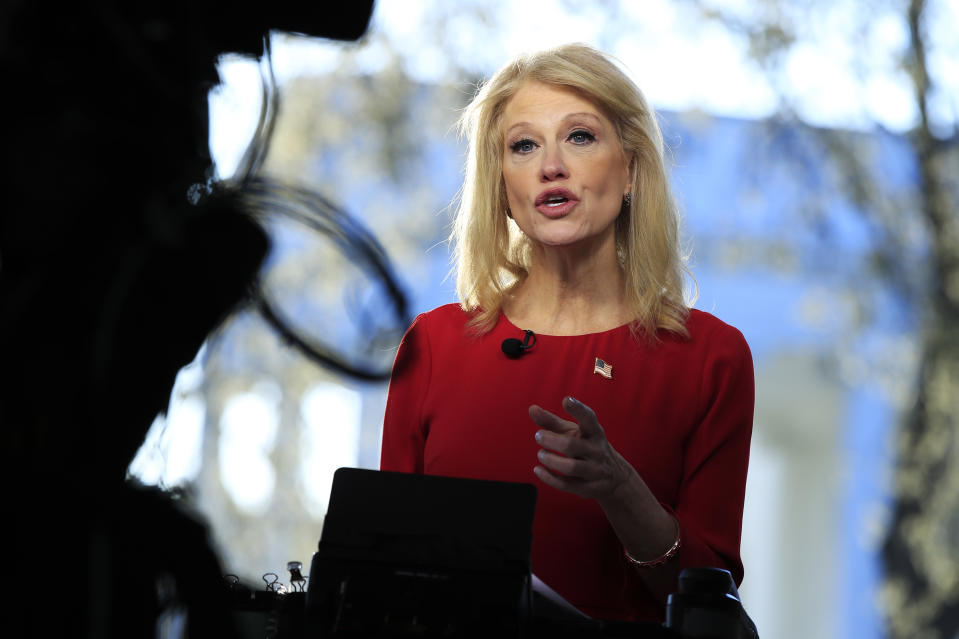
pixel 568 466
pixel 570 445
pixel 567 484
pixel 550 421
pixel 584 416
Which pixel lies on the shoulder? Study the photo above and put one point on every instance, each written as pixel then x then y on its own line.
pixel 428 334
pixel 437 337
pixel 451 313
pixel 712 343
pixel 724 353
pixel 438 327
pixel 448 318
pixel 709 342
pixel 708 331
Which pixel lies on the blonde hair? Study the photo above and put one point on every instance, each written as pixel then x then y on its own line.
pixel 492 254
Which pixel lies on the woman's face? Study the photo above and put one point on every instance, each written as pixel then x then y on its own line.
pixel 563 165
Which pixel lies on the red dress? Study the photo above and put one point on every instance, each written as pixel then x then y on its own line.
pixel 680 411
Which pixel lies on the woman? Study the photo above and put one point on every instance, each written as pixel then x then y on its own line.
pixel 630 411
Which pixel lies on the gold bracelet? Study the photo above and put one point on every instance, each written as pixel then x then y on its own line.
pixel 669 554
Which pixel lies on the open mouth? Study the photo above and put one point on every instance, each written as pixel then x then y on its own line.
pixel 556 200
pixel 555 197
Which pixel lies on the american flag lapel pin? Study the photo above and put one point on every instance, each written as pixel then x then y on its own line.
pixel 602 368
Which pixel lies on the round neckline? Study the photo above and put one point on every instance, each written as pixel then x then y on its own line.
pixel 510 323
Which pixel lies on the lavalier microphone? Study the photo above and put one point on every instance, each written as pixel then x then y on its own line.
pixel 515 348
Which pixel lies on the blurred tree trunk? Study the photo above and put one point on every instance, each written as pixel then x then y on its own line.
pixel 921 550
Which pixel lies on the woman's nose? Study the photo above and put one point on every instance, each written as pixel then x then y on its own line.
pixel 553 167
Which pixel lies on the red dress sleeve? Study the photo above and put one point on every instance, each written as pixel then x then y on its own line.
pixel 709 506
pixel 404 430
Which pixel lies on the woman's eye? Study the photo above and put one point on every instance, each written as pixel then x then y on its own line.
pixel 523 146
pixel 581 137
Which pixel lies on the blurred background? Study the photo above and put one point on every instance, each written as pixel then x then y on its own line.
pixel 814 151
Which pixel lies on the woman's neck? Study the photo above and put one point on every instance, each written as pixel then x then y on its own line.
pixel 568 293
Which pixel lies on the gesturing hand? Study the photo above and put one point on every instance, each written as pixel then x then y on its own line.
pixel 575 455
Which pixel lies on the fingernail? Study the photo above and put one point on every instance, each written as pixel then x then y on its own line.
pixel 539 436
pixel 573 400
pixel 541 455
